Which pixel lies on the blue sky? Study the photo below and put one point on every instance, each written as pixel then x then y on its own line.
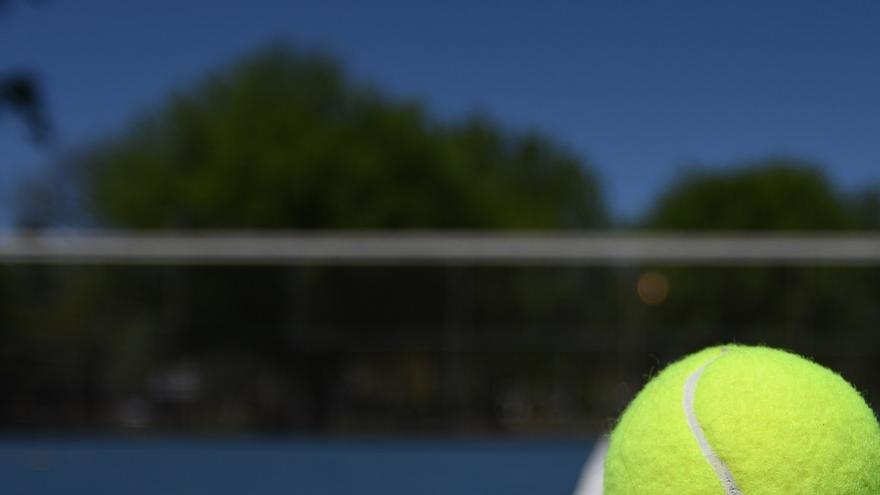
pixel 642 90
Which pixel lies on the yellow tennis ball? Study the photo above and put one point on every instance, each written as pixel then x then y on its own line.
pixel 737 420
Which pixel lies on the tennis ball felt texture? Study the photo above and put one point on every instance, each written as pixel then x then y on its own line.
pixel 777 423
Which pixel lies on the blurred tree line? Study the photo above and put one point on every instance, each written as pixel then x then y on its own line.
pixel 284 140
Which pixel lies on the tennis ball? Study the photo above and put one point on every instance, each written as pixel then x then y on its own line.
pixel 737 420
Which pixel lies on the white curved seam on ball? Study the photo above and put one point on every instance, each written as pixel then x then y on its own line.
pixel 690 391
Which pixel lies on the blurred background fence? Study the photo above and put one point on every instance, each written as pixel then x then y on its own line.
pixel 389 333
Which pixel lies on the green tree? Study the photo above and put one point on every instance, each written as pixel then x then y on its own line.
pixel 866 205
pixel 284 140
pixel 770 195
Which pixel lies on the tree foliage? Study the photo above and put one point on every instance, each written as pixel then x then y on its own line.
pixel 285 140
pixel 769 195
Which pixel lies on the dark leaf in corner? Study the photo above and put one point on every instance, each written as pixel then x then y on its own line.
pixel 20 94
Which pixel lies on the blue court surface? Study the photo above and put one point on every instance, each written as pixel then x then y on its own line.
pixel 258 466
